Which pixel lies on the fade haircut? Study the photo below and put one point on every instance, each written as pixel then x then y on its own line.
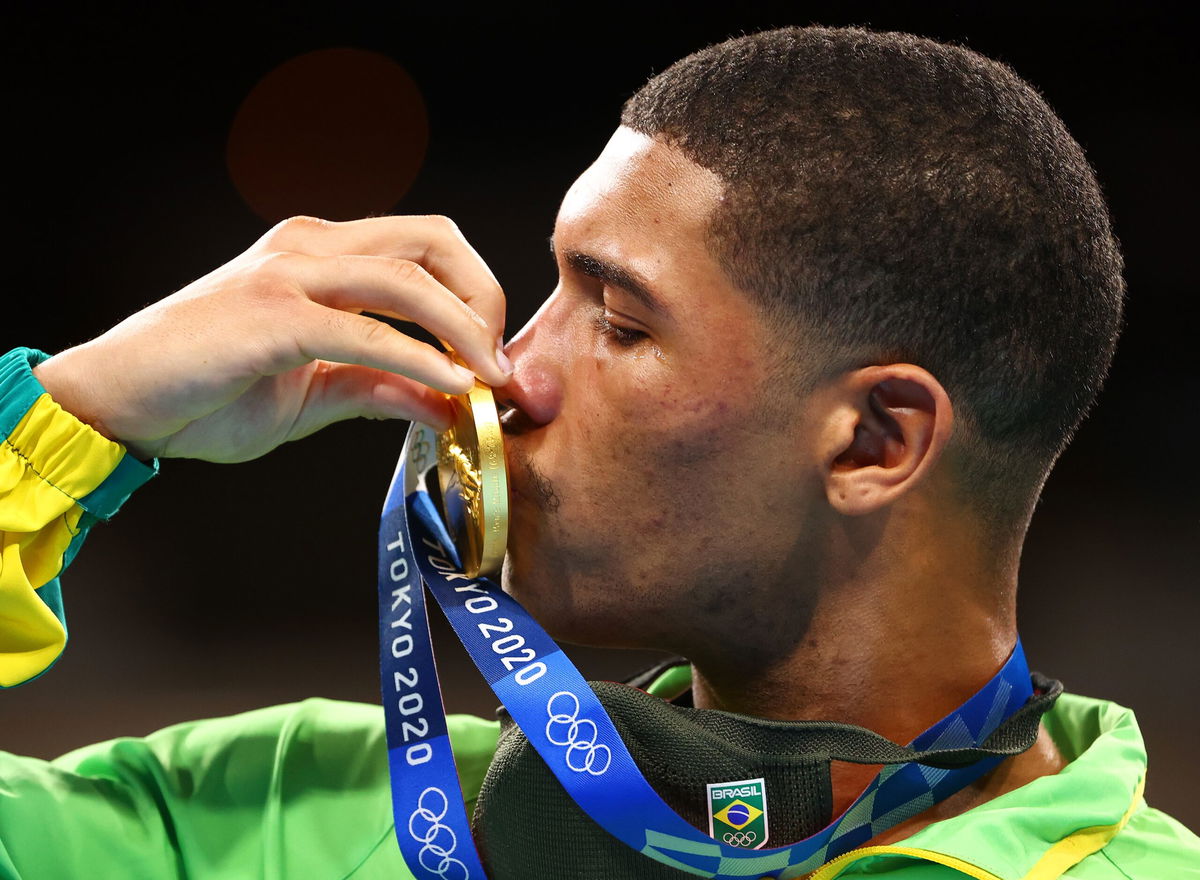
pixel 889 198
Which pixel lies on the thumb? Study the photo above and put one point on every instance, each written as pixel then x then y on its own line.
pixel 348 391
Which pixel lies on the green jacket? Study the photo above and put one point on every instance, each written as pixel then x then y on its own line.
pixel 301 791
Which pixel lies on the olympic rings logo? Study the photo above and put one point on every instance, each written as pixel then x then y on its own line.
pixel 421 451
pixel 579 735
pixel 740 838
pixel 437 840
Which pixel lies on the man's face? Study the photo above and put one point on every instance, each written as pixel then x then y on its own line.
pixel 656 484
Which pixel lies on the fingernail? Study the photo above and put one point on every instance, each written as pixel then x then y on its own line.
pixel 463 373
pixel 506 366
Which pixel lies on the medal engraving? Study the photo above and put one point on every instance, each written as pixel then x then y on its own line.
pixel 474 483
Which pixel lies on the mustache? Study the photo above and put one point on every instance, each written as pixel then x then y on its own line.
pixel 536 486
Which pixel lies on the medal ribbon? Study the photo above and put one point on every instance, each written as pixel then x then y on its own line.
pixel 561 716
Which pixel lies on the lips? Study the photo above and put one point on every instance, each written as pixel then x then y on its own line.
pixel 524 479
pixel 512 425
pixel 514 421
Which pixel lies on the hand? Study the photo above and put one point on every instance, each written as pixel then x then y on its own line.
pixel 274 345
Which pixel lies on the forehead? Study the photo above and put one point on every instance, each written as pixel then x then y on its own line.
pixel 644 205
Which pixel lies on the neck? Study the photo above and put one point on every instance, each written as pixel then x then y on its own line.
pixel 894 643
pixel 865 661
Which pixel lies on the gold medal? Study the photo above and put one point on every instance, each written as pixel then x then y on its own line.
pixel 474 482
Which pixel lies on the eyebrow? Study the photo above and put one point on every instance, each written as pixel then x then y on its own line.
pixel 617 276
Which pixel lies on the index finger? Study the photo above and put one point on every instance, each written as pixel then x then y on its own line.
pixel 433 241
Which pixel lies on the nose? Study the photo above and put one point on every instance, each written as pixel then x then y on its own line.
pixel 538 355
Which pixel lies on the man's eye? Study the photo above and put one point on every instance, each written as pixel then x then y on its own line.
pixel 625 336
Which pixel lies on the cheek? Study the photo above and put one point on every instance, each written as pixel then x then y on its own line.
pixel 670 420
pixel 658 450
pixel 637 429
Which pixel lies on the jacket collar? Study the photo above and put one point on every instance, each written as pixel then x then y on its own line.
pixel 1038 830
pixel 1041 829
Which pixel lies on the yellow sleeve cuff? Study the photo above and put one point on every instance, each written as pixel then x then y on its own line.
pixel 49 462
pixel 57 477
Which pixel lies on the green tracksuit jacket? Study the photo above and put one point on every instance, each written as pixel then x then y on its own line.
pixel 301 790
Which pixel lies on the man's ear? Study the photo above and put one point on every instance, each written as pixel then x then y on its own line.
pixel 885 429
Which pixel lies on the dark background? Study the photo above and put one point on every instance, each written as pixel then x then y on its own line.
pixel 224 588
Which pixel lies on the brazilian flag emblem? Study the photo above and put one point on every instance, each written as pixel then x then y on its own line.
pixel 737 812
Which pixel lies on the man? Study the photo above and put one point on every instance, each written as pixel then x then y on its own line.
pixel 831 304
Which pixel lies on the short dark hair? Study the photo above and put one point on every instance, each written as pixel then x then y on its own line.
pixel 889 198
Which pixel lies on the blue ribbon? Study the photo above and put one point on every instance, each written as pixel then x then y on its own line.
pixel 567 725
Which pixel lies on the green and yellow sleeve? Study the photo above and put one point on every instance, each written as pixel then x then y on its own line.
pixel 290 791
pixel 57 478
